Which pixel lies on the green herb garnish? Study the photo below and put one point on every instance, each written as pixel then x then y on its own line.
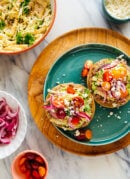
pixel 19 38
pixel 26 10
pixel 38 24
pixel 27 39
pixel 2 24
pixel 24 5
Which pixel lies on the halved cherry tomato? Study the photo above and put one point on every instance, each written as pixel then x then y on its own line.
pixel 88 134
pixel 70 89
pixel 106 85
pixel 124 94
pixel 120 72
pixel 75 120
pixel 84 72
pixel 58 102
pixel 78 101
pixel 107 76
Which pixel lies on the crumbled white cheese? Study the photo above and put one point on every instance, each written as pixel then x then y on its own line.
pixel 118 82
pixel 57 82
pixel 117 94
pixel 113 89
pixel 77 133
pixel 111 113
pixel 118 117
pixel 66 102
pixel 72 112
pixel 126 122
pixel 85 95
pixel 94 78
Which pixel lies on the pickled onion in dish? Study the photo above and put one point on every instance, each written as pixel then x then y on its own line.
pixel 9 120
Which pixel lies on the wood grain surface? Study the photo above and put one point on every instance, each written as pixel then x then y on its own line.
pixel 38 74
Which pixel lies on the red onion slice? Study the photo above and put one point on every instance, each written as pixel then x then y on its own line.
pixel 112 65
pixel 49 108
pixel 2 122
pixel 109 65
pixel 84 115
pixel 122 86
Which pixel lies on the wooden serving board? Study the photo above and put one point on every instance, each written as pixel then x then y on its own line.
pixel 38 74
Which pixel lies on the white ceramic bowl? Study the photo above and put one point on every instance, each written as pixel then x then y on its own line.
pixel 8 149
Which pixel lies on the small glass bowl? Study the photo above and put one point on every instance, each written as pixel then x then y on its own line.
pixel 15 167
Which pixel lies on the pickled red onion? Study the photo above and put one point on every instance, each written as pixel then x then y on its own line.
pixel 9 120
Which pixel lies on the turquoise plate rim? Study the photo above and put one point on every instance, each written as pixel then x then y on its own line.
pixel 102 142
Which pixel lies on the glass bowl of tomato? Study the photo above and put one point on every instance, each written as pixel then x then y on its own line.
pixel 29 164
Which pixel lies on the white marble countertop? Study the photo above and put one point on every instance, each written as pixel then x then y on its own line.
pixel 14 74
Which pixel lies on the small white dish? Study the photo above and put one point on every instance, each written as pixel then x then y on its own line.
pixel 8 149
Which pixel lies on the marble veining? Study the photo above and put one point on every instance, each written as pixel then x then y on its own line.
pixel 14 74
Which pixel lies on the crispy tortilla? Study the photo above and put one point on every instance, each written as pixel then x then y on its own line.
pixel 60 122
pixel 97 98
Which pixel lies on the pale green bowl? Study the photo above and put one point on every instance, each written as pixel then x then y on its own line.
pixel 110 17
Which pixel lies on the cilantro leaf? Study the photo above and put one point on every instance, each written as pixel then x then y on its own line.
pixel 24 5
pixel 29 39
pixel 2 24
pixel 19 38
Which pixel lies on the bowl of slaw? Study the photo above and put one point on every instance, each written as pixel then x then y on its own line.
pixel 24 24
pixel 116 11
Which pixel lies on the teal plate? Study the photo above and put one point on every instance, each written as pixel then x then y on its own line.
pixel 108 125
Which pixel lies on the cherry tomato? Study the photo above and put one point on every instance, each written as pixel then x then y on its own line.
pixel 107 76
pixel 78 101
pixel 106 85
pixel 23 169
pixel 88 64
pixel 70 89
pixel 75 120
pixel 83 134
pixel 84 72
pixel 60 113
pixel 88 134
pixel 120 72
pixel 58 102
pixel 35 174
pixel 124 94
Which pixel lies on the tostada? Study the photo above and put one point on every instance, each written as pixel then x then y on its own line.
pixel 109 82
pixel 69 106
